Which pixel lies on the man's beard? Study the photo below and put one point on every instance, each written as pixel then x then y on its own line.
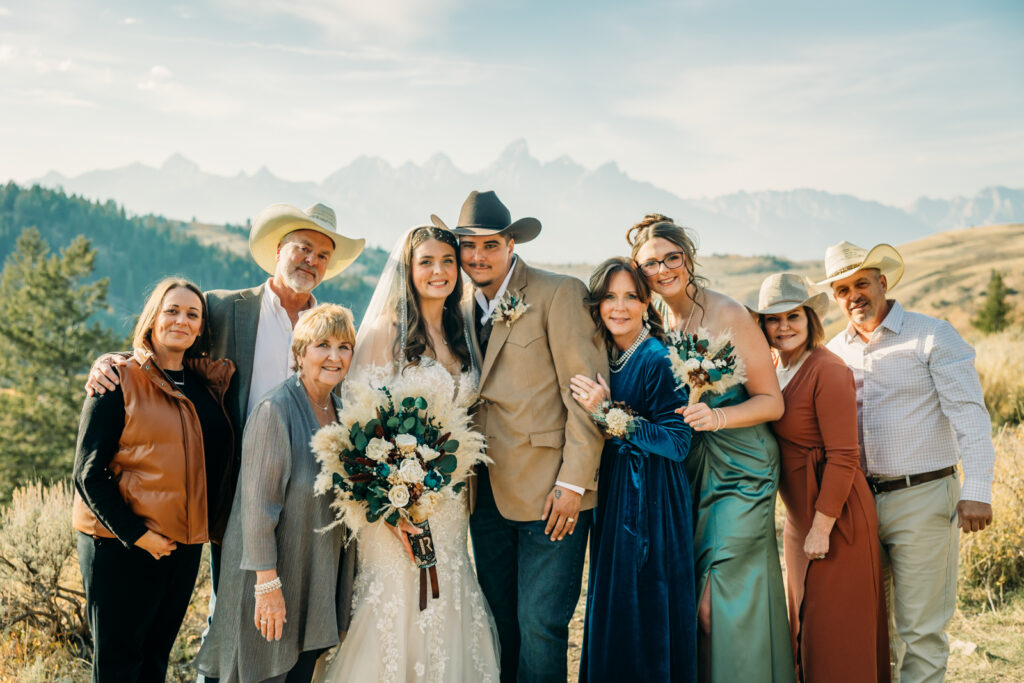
pixel 298 284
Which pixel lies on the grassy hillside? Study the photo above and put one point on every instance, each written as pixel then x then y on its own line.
pixel 946 274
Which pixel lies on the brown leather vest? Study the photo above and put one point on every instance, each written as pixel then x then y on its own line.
pixel 159 466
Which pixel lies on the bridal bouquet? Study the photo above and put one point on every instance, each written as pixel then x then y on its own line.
pixel 704 363
pixel 396 452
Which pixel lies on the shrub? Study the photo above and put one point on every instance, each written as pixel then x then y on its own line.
pixel 995 312
pixel 992 561
pixel 40 585
pixel 1000 364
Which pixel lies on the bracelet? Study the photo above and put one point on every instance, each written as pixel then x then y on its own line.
pixel 268 587
pixel 720 419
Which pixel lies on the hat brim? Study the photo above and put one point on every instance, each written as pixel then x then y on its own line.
pixel 818 302
pixel 522 230
pixel 276 221
pixel 882 257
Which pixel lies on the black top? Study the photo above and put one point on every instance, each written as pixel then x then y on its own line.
pixel 99 436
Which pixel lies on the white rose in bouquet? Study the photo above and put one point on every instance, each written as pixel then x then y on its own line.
pixel 426 452
pixel 378 449
pixel 399 496
pixel 411 471
pixel 406 443
pixel 707 364
pixel 691 364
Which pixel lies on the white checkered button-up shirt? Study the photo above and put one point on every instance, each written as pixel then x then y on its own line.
pixel 919 400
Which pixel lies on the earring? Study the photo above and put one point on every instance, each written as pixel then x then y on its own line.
pixel 646 316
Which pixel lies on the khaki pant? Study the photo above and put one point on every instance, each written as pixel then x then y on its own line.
pixel 919 537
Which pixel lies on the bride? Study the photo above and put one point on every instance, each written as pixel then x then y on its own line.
pixel 413 328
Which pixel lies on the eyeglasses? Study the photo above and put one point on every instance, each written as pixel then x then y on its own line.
pixel 672 260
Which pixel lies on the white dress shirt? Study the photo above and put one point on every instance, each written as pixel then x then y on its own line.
pixel 919 401
pixel 272 362
pixel 488 305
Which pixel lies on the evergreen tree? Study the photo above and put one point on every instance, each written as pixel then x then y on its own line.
pixel 994 313
pixel 47 344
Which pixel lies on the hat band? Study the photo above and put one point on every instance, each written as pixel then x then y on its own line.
pixel 844 270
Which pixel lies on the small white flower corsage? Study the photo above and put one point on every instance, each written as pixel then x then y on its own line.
pixel 615 419
pixel 509 309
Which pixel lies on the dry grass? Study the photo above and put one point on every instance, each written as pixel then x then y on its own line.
pixel 992 562
pixel 1000 364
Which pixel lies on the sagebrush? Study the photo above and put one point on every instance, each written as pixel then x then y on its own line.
pixel 42 605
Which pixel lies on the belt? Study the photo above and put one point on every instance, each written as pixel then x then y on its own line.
pixel 879 486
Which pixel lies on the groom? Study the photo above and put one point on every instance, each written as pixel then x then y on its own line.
pixel 533 332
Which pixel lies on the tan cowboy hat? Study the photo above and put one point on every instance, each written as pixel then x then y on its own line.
pixel 277 220
pixel 845 259
pixel 484 214
pixel 783 292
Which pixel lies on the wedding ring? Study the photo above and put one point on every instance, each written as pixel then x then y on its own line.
pixel 584 396
pixel 263 621
pixel 570 520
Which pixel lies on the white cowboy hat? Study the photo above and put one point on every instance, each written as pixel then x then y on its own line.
pixel 277 220
pixel 783 292
pixel 845 259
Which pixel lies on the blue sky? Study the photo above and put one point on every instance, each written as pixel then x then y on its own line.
pixel 887 101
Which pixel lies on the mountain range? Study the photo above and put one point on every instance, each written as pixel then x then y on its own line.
pixel 585 212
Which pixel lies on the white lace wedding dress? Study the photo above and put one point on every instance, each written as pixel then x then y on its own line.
pixel 390 639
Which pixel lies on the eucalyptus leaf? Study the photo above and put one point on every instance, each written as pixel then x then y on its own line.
pixel 450 446
pixel 421 403
pixel 447 463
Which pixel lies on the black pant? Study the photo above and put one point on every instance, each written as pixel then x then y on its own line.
pixel 135 605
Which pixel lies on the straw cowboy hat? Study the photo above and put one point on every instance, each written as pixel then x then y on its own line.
pixel 277 220
pixel 845 259
pixel 783 292
pixel 484 214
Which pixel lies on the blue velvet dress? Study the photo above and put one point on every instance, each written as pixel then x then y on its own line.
pixel 641 622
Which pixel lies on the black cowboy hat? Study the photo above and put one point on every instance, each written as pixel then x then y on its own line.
pixel 484 214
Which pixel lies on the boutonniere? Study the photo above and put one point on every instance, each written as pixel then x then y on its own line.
pixel 509 309
pixel 615 418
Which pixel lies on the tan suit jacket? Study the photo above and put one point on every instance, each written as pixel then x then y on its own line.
pixel 536 432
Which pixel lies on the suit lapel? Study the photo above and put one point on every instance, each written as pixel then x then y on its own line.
pixel 500 331
pixel 247 318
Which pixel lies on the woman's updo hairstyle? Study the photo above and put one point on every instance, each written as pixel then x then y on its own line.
pixel 659 225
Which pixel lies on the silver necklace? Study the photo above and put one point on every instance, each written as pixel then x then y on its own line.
pixel 620 362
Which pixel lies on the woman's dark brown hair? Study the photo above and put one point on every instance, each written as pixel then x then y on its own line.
pixel 815 329
pixel 659 225
pixel 417 341
pixel 143 335
pixel 599 288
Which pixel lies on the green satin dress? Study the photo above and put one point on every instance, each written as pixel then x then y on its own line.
pixel 734 474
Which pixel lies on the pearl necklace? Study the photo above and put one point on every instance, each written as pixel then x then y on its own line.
pixel 620 362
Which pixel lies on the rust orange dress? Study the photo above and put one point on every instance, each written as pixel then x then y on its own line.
pixel 837 610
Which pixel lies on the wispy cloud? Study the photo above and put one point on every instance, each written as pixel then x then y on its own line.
pixel 357 20
pixel 58 98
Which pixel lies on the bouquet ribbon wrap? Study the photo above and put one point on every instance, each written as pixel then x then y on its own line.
pixel 426 560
